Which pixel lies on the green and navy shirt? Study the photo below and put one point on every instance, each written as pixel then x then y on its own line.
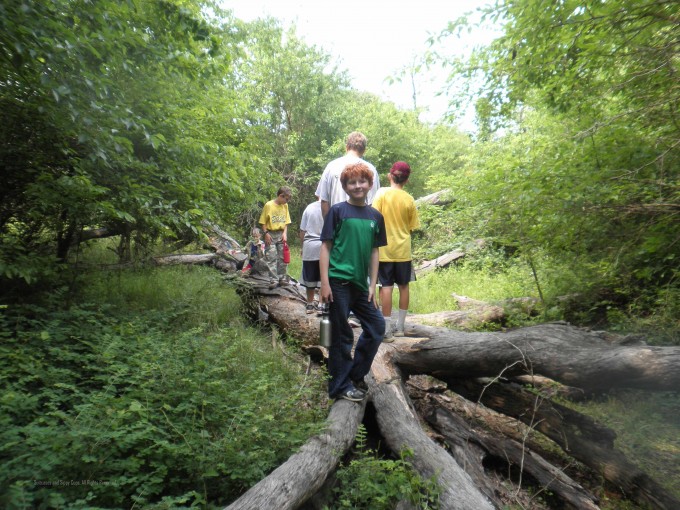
pixel 355 231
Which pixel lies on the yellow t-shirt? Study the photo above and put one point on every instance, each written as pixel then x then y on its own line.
pixel 274 216
pixel 401 217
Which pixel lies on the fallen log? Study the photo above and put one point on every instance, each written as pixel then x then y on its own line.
pixel 592 361
pixel 441 261
pixel 579 436
pixel 305 472
pixel 570 355
pixel 400 426
pixel 526 462
pixel 188 259
pixel 441 197
pixel 472 433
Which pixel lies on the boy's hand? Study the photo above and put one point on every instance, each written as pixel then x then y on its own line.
pixel 325 293
pixel 372 296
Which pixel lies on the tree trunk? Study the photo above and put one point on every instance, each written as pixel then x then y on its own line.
pixel 454 448
pixel 442 261
pixel 442 197
pixel 304 473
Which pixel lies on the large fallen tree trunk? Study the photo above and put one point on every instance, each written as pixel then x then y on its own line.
pixel 295 481
pixel 570 355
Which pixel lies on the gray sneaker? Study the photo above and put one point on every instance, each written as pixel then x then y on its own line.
pixel 389 335
pixel 399 332
pixel 360 384
pixel 354 394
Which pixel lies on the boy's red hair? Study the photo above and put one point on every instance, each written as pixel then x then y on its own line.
pixel 356 171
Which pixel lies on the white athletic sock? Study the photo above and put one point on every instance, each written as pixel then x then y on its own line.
pixel 401 319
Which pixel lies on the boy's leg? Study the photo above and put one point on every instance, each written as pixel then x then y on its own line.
pixel 311 279
pixel 373 330
pixel 403 309
pixel 402 278
pixel 342 340
pixel 269 260
pixel 403 296
pixel 386 300
pixel 386 278
pixel 281 267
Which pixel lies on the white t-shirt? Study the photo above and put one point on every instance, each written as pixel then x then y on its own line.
pixel 312 223
pixel 330 188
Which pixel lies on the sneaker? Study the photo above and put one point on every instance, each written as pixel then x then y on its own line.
pixel 360 384
pixel 399 332
pixel 353 323
pixel 311 308
pixel 354 394
pixel 389 336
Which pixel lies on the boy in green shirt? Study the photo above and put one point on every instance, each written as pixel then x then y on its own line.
pixel 351 236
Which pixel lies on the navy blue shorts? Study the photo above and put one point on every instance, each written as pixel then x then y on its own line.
pixel 390 273
pixel 311 274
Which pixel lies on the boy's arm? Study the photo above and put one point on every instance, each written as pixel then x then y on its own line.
pixel 266 236
pixel 325 294
pixel 301 235
pixel 325 207
pixel 373 273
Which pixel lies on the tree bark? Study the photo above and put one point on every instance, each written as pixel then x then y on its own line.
pixel 570 355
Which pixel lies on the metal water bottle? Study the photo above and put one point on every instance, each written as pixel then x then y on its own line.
pixel 325 327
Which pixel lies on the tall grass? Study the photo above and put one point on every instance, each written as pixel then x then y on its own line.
pixel 491 277
pixel 194 295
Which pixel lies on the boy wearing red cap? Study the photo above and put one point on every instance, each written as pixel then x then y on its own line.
pixel 401 218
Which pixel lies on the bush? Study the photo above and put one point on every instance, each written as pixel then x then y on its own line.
pixel 368 482
pixel 113 407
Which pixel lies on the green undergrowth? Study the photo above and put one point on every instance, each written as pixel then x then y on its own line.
pixel 370 482
pixel 149 391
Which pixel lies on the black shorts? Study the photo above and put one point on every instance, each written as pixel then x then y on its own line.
pixel 390 273
pixel 311 274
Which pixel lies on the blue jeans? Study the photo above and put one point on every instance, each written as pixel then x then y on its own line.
pixel 342 368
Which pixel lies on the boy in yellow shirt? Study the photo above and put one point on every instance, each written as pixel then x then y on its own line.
pixel 274 222
pixel 401 218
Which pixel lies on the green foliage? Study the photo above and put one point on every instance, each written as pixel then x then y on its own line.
pixel 294 94
pixel 393 135
pixel 112 122
pixel 586 165
pixel 655 315
pixel 138 402
pixel 371 483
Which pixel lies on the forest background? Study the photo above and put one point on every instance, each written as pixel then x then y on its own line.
pixel 145 120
